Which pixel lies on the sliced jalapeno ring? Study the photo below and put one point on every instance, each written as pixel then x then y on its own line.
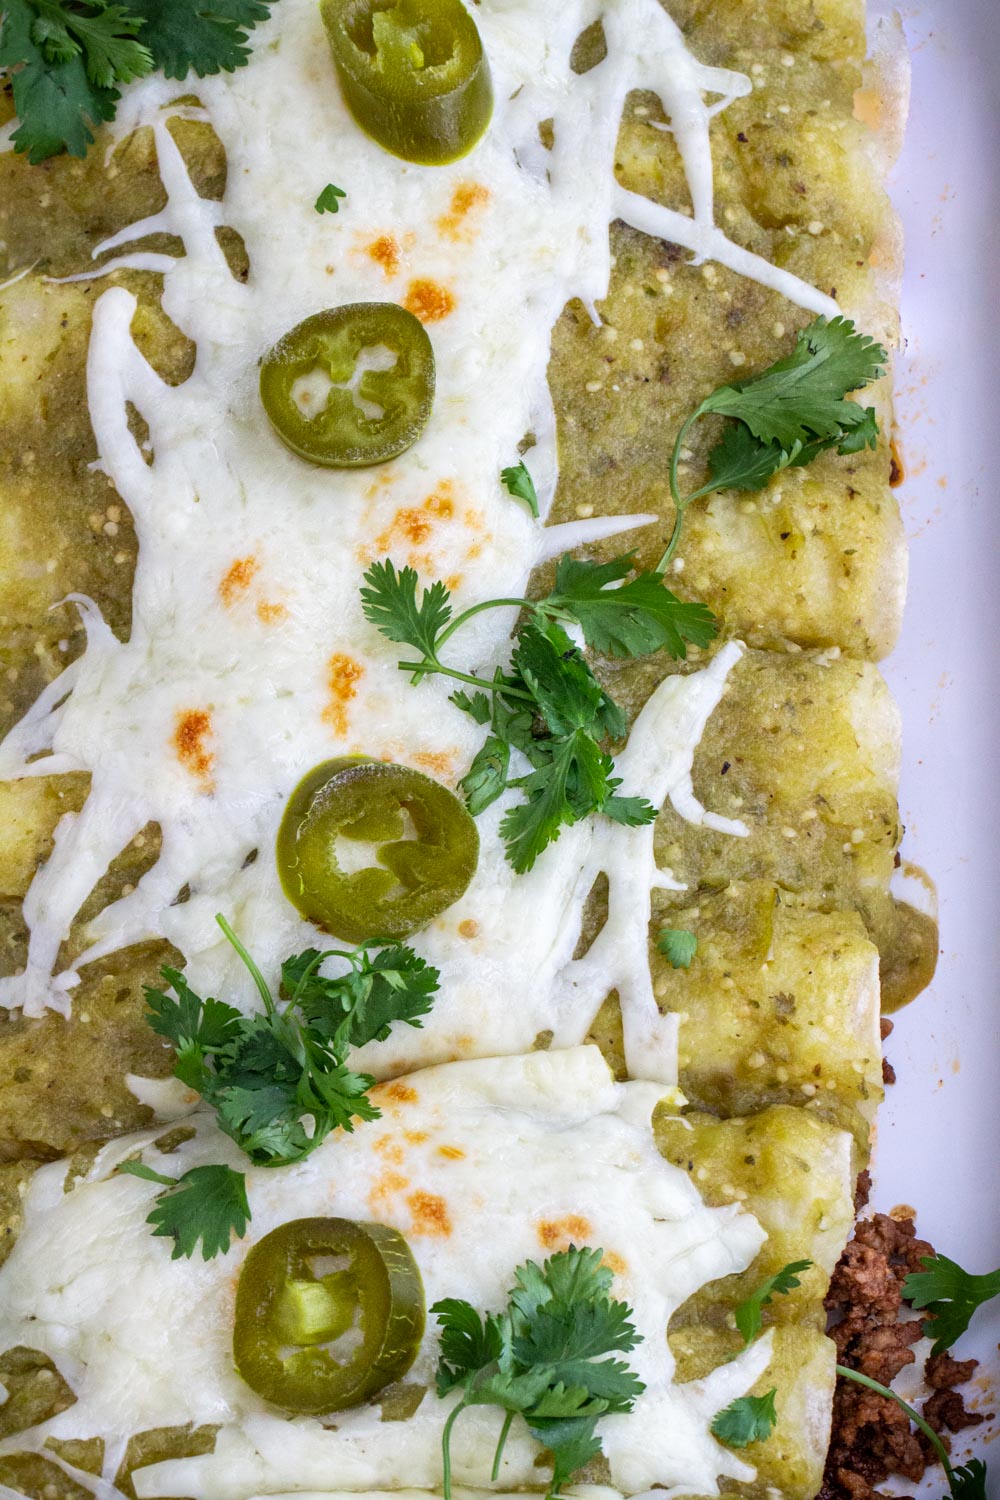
pixel 413 74
pixel 287 1310
pixel 350 386
pixel 410 881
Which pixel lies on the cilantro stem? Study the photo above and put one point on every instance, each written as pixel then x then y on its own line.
pixel 446 1446
pixel 255 973
pixel 914 1416
pixel 427 667
pixel 680 505
pixel 501 1445
pixel 477 609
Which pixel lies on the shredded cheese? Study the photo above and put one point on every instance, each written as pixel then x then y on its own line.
pixel 249 659
pixel 482 1165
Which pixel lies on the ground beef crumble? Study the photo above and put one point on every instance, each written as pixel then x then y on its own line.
pixel 888 1071
pixel 874 1333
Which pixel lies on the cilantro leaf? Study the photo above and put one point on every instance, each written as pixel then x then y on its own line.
pixel 299 973
pixel 103 34
pixel 574 1275
pixel 477 707
pixel 571 780
pixel 679 945
pixel 950 1295
pixel 206 1205
pixel 635 619
pixel 468 1342
pixel 968 1482
pixel 802 397
pixel 739 461
pixel 520 484
pixel 278 1078
pixel 572 1441
pixel 748 1419
pixel 562 1335
pixel 862 434
pixel 486 778
pixel 68 58
pixel 390 603
pixel 748 1313
pixel 394 984
pixel 631 812
pixel 399 986
pixel 58 106
pixel 205 36
pixel 541 1358
pixel 787 415
pixel 328 201
pixel 336 1096
pixel 187 1020
pixel 553 670
pixel 196 1028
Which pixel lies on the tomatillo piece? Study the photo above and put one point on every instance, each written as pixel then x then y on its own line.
pixel 286 1312
pixel 351 386
pixel 413 74
pixel 409 881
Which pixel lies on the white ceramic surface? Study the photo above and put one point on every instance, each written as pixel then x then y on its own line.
pixel 939 1146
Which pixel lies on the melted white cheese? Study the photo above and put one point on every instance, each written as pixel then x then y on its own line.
pixel 481 1165
pixel 510 233
pixel 246 615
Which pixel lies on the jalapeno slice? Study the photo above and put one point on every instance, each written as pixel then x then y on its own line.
pixel 413 74
pixel 409 881
pixel 290 1315
pixel 351 386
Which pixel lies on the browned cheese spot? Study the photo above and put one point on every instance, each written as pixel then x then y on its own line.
pixel 194 727
pixel 455 225
pixel 559 1234
pixel 237 580
pixel 343 674
pixel 428 300
pixel 430 1215
pixel 385 252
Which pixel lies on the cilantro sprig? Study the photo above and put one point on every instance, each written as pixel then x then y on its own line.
pixel 748 1314
pixel 786 416
pixel 541 1359
pixel 279 1082
pixel 950 1296
pixel 549 707
pixel 965 1482
pixel 68 59
pixel 206 1205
